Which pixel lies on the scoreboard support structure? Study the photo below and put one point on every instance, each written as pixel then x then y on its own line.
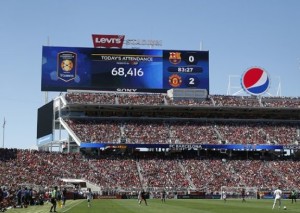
pixel 187 93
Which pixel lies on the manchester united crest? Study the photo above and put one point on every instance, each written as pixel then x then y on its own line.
pixel 175 80
pixel 66 66
pixel 175 57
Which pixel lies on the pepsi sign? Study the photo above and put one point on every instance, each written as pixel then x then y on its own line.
pixel 255 81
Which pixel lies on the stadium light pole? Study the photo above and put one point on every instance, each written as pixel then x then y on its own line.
pixel 46 92
pixel 4 123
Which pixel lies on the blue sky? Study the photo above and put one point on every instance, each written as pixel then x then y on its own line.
pixel 237 33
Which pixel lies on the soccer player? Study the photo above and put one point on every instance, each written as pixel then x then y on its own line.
pixel 64 196
pixel 139 196
pixel 59 197
pixel 277 194
pixel 243 195
pixel 293 195
pixel 163 196
pixel 19 193
pixel 53 199
pixel 143 197
pixel 89 197
pixel 224 195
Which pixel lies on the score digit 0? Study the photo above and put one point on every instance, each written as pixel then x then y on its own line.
pixel 191 59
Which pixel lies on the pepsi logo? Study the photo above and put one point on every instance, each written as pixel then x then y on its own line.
pixel 256 81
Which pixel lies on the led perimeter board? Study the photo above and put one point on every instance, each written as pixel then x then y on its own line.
pixel 136 70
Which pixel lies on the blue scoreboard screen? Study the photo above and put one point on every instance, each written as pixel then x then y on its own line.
pixel 146 70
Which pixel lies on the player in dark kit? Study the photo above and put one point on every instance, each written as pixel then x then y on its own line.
pixel 163 196
pixel 143 197
pixel 293 196
pixel 243 195
pixel 64 197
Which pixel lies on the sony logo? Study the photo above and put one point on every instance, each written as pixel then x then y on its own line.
pixel 126 90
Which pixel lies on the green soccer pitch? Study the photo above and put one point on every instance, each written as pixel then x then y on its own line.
pixel 171 206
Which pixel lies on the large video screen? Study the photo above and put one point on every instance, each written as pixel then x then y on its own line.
pixel 45 123
pixel 150 70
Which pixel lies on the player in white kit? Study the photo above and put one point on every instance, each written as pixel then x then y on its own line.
pixel 277 194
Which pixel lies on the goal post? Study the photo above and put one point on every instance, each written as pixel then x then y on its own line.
pixel 236 192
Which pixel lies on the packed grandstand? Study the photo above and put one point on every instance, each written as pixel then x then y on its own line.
pixel 140 129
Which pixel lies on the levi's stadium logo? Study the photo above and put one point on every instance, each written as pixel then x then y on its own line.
pixel 256 81
pixel 108 41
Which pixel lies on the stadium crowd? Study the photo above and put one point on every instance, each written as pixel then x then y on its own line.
pixel 119 172
pixel 92 130
pixel 113 174
pixel 283 102
pixel 235 101
pixel 160 173
pixel 185 132
pixel 258 133
pixel 90 98
pixel 163 99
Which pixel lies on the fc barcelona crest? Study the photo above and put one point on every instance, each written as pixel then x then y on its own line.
pixel 175 57
pixel 66 66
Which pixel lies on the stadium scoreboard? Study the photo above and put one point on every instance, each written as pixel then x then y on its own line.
pixel 136 70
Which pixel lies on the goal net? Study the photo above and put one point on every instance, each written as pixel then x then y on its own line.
pixel 236 192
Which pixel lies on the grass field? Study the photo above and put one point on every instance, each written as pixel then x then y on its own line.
pixel 171 206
